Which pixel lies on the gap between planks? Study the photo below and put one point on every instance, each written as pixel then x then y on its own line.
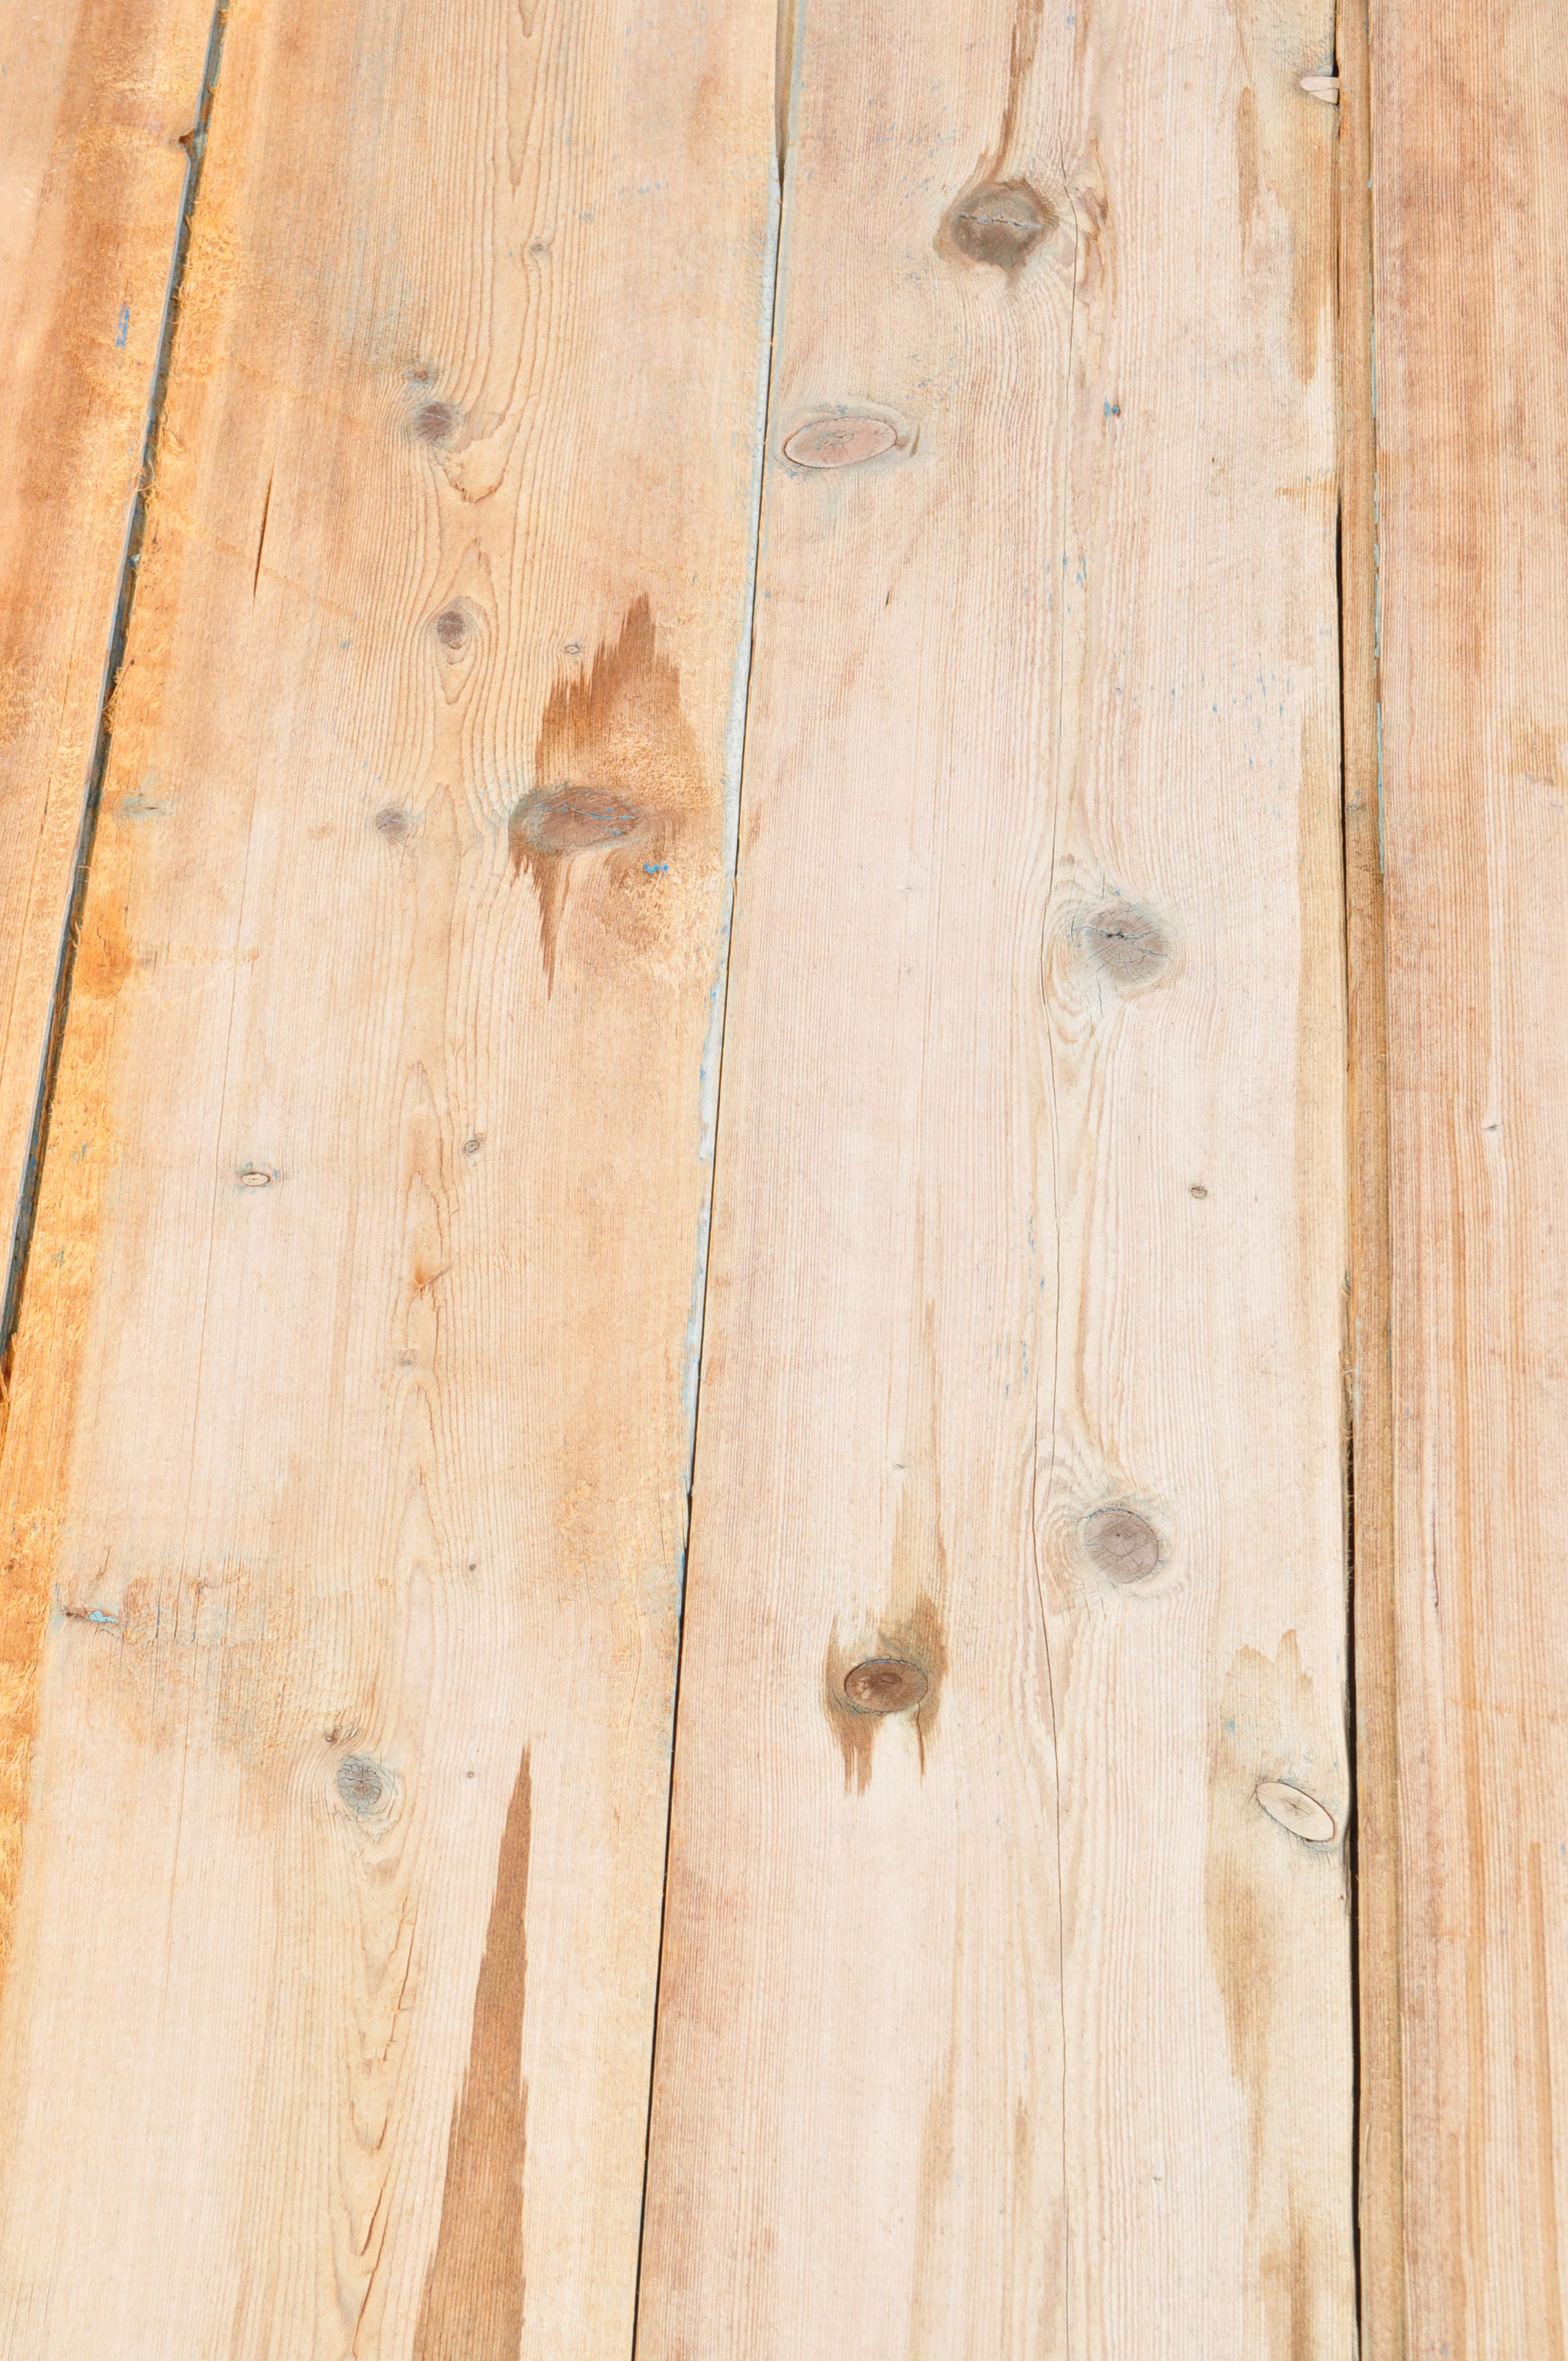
pixel 786 60
pixel 194 143
pixel 1372 1703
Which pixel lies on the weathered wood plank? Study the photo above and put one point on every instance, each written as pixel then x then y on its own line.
pixel 1015 2020
pixel 1470 118
pixel 95 96
pixel 348 1448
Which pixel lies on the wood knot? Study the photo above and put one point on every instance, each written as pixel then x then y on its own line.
pixel 256 1175
pixel 362 1785
pixel 435 422
pixel 452 627
pixel 1121 1544
pixel 1301 1814
pixel 999 225
pixel 553 823
pixel 393 823
pixel 1127 944
pixel 885 1685
pixel 840 439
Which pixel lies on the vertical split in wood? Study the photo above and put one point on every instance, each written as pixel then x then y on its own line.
pixel 1372 1702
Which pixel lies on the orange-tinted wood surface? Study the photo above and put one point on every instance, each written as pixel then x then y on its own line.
pixel 1470 139
pixel 95 98
pixel 346 1465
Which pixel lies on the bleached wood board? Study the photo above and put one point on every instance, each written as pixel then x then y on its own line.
pixel 1470 113
pixel 95 96
pixel 347 1459
pixel 1012 2022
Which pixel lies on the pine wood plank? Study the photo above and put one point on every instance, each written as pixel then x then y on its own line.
pixel 349 1451
pixel 1010 2021
pixel 1470 118
pixel 95 96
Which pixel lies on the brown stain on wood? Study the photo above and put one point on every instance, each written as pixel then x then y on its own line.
pixel 40 1391
pixel 912 1626
pixel 473 2305
pixel 1246 158
pixel 918 1637
pixel 618 790
pixel 1285 146
pixel 1293 2243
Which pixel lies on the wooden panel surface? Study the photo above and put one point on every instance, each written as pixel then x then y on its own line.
pixel 1015 2020
pixel 1470 130
pixel 349 1449
pixel 95 96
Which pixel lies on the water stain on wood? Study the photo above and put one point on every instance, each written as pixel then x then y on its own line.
pixel 473 2301
pixel 909 1655
pixel 620 789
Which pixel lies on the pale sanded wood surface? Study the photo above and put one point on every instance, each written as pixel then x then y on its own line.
pixel 1016 2020
pixel 95 96
pixel 1470 129
pixel 346 1462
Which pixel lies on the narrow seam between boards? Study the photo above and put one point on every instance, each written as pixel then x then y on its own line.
pixel 194 143
pixel 792 13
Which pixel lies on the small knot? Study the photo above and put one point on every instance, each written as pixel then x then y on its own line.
pixel 452 627
pixel 1126 943
pixel 841 440
pixel 1301 1814
pixel 999 225
pixel 1121 1544
pixel 393 824
pixel 559 821
pixel 435 422
pixel 362 1784
pixel 885 1685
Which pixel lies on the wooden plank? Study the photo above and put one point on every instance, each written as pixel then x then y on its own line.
pixel 1015 2020
pixel 1469 118
pixel 95 96
pixel 350 1433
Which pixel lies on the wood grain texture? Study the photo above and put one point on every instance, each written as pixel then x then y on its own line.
pixel 1470 124
pixel 95 96
pixel 1015 2020
pixel 347 1459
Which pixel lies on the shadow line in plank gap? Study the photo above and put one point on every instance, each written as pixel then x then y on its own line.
pixel 194 143
pixel 789 42
pixel 1371 1851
